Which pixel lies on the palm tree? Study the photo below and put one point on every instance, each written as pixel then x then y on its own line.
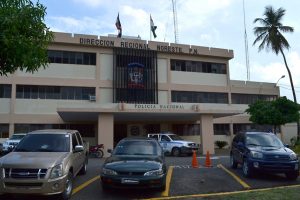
pixel 270 35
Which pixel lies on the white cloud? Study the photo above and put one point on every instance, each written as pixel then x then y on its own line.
pixel 86 25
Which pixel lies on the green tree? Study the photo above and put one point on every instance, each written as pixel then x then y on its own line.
pixel 270 33
pixel 24 37
pixel 275 113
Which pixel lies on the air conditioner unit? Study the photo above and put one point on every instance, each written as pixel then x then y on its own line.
pixel 92 98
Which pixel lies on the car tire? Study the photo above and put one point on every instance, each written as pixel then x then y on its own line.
pixel 105 188
pixel 83 169
pixel 246 169
pixel 176 151
pixel 233 162
pixel 67 193
pixel 292 175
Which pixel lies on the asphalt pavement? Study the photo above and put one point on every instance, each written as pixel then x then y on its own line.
pixel 185 181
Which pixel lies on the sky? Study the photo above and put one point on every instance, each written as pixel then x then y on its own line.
pixel 210 23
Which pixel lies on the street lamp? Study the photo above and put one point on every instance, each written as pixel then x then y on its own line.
pixel 279 80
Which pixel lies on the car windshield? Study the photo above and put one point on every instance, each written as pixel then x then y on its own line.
pixel 175 137
pixel 136 147
pixel 16 137
pixel 44 143
pixel 265 140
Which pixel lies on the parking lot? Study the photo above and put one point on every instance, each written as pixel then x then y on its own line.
pixel 183 181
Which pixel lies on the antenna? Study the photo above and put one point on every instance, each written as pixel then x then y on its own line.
pixel 246 44
pixel 175 21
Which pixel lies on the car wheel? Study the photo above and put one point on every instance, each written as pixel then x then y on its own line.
pixel 67 193
pixel 84 167
pixel 233 163
pixel 105 188
pixel 292 175
pixel 175 151
pixel 246 169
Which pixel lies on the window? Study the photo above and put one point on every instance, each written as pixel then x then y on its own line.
pixel 256 127
pixel 186 129
pixel 5 91
pixel 74 141
pixel 221 129
pixel 4 130
pixel 199 97
pixel 198 66
pixel 54 92
pixel 69 57
pixel 250 98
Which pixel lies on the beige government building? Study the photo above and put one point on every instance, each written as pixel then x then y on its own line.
pixel 109 88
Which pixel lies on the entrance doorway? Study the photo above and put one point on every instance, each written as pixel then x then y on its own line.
pixel 120 132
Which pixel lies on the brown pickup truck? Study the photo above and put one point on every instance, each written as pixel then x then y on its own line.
pixel 45 163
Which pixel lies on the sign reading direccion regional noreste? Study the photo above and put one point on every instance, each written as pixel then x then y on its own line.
pixel 138 45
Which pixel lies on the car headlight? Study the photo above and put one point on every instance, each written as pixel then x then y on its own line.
pixel 57 171
pixel 109 172
pixel 293 156
pixel 255 154
pixel 154 172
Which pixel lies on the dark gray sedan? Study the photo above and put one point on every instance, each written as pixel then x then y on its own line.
pixel 135 163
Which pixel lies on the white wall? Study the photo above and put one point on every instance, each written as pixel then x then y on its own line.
pixel 199 78
pixel 288 131
pixel 162 69
pixel 106 95
pixel 5 105
pixel 41 106
pixel 162 97
pixel 56 70
pixel 106 67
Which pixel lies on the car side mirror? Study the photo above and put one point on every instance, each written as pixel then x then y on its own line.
pixel 109 151
pixel 78 148
pixel 287 146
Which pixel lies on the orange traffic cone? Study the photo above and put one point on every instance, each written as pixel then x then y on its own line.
pixel 207 160
pixel 195 163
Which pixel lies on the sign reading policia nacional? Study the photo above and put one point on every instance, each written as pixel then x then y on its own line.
pixel 142 45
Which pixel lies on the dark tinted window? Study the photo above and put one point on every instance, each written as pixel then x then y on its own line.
pixel 265 140
pixel 250 98
pixel 44 143
pixel 69 57
pixel 54 92
pixel 142 148
pixel 198 66
pixel 74 141
pixel 5 91
pixel 199 97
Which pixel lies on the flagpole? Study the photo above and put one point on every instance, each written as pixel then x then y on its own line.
pixel 150 28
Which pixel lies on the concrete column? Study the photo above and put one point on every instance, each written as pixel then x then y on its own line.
pixel 11 129
pixel 207 134
pixel 231 132
pixel 106 131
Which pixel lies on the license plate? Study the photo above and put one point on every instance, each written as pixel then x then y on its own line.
pixel 129 181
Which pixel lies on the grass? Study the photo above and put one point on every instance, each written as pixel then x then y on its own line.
pixel 273 194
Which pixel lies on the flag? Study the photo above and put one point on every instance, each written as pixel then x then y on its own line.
pixel 153 28
pixel 119 27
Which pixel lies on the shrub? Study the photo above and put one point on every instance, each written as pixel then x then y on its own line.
pixel 220 144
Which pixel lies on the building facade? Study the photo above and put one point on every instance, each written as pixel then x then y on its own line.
pixel 109 88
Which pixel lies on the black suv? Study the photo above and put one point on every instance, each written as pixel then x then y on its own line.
pixel 260 151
